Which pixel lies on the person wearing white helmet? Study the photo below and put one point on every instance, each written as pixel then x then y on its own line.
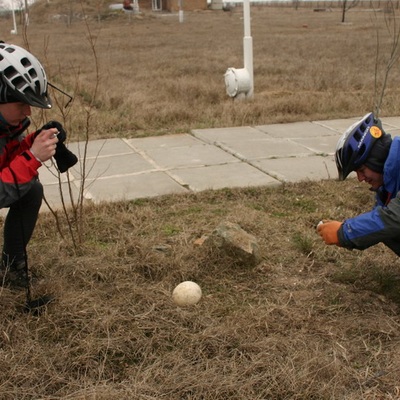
pixel 23 84
pixel 366 149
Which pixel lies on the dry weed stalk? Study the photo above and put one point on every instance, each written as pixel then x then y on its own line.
pixel 393 31
pixel 346 6
pixel 74 215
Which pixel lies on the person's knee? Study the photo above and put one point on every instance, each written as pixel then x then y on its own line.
pixel 32 199
pixel 38 188
pixel 37 193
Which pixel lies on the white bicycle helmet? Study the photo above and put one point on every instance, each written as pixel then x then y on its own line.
pixel 22 77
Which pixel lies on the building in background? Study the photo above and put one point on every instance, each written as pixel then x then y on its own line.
pixel 173 5
pixel 187 5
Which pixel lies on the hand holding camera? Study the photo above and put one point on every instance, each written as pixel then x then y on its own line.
pixel 45 144
pixel 64 158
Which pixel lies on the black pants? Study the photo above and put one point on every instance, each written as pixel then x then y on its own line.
pixel 393 245
pixel 20 224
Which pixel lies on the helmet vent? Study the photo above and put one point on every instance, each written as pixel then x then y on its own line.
pixel 37 86
pixel 357 136
pixel 19 83
pixel 32 73
pixel 10 72
pixel 25 62
pixel 363 127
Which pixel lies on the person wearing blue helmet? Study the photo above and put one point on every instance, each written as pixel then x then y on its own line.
pixel 374 156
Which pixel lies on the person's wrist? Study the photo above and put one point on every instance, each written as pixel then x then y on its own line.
pixel 34 155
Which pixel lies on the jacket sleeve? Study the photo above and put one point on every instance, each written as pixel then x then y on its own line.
pixel 27 142
pixel 18 175
pixel 378 225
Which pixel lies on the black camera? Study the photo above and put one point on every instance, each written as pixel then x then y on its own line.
pixel 65 159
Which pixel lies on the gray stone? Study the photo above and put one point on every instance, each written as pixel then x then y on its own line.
pixel 235 242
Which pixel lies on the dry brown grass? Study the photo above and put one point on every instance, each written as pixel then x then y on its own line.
pixel 158 76
pixel 309 322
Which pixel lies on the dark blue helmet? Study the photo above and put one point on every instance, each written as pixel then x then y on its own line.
pixel 355 145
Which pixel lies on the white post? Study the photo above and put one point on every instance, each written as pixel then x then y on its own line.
pixel 239 83
pixel 180 11
pixel 13 31
pixel 26 13
pixel 248 46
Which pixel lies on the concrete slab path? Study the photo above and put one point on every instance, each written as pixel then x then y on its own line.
pixel 265 155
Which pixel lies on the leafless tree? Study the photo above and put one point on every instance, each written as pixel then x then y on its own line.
pixel 392 56
pixel 346 6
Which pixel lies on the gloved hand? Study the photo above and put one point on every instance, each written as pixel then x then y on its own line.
pixel 328 230
pixel 65 159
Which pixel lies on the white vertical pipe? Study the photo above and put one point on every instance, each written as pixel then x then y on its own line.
pixel 180 13
pixel 14 31
pixel 14 22
pixel 26 13
pixel 248 46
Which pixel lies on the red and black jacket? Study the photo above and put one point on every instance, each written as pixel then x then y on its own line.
pixel 18 166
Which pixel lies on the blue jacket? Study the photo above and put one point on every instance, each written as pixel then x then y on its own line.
pixel 382 223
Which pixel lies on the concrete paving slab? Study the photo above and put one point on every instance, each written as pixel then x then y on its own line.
pixel 249 143
pixel 56 199
pixel 341 125
pixel 266 148
pixel 393 132
pixel 392 122
pixel 338 125
pixel 225 135
pixel 222 176
pixel 99 148
pixel 170 141
pixel 296 130
pixel 324 145
pixel 48 174
pixel 299 169
pixel 201 155
pixel 114 165
pixel 132 187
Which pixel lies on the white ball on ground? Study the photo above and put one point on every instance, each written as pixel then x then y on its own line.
pixel 186 293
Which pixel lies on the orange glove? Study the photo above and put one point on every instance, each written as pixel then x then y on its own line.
pixel 328 230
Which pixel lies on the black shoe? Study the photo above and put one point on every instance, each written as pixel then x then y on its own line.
pixel 15 277
pixel 39 305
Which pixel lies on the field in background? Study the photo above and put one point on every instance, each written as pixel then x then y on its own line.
pixel 158 76
pixel 309 322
